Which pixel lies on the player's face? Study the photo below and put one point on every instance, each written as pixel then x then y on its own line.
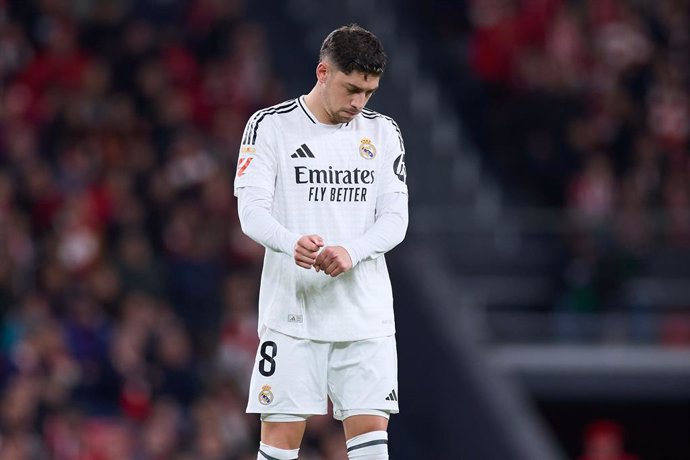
pixel 345 96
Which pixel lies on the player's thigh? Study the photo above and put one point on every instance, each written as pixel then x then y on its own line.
pixel 289 376
pixel 363 376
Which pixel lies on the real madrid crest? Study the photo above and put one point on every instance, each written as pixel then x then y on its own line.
pixel 266 395
pixel 367 149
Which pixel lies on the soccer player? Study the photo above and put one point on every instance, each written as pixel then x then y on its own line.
pixel 321 184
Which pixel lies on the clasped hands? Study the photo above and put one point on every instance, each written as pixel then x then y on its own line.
pixel 332 260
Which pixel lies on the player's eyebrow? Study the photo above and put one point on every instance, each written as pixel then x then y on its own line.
pixel 356 88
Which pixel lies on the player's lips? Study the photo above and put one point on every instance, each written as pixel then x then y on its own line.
pixel 352 114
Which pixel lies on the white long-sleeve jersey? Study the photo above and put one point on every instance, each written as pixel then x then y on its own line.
pixel 346 183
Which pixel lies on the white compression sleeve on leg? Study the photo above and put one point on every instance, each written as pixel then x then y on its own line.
pixel 368 446
pixel 267 452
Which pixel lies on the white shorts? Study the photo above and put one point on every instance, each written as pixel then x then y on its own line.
pixel 296 376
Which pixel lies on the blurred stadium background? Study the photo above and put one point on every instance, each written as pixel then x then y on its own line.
pixel 543 291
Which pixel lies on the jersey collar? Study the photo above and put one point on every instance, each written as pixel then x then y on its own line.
pixel 312 117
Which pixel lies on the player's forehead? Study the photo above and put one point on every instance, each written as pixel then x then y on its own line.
pixel 362 80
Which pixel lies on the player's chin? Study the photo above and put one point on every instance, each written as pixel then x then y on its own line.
pixel 347 116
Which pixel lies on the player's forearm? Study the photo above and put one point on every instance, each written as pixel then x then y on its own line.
pixel 254 209
pixel 387 232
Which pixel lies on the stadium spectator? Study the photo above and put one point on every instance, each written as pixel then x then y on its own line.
pixel 603 440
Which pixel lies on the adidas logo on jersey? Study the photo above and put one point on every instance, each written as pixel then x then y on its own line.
pixel 302 152
pixel 392 396
pixel 293 318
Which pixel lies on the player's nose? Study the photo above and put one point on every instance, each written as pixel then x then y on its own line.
pixel 358 101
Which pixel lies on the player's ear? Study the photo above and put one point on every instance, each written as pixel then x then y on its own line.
pixel 322 72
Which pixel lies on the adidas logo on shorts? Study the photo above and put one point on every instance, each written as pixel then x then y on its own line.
pixel 392 396
pixel 293 318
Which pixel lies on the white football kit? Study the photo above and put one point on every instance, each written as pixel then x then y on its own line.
pixel 347 184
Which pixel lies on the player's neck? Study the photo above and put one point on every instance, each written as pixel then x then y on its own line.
pixel 316 107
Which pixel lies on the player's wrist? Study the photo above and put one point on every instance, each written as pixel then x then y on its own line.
pixel 290 241
pixel 352 253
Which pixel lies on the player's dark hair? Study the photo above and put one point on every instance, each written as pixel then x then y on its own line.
pixel 352 47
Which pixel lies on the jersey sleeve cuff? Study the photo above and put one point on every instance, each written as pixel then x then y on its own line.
pixel 289 240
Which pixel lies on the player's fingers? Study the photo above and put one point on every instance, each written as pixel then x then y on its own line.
pixel 337 270
pixel 303 265
pixel 306 254
pixel 306 247
pixel 332 266
pixel 321 258
pixel 304 259
pixel 310 258
pixel 324 259
pixel 317 240
pixel 311 243
pixel 311 248
pixel 306 244
pixel 306 251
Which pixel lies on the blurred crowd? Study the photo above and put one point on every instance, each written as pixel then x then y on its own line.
pixel 127 290
pixel 590 101
pixel 584 106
